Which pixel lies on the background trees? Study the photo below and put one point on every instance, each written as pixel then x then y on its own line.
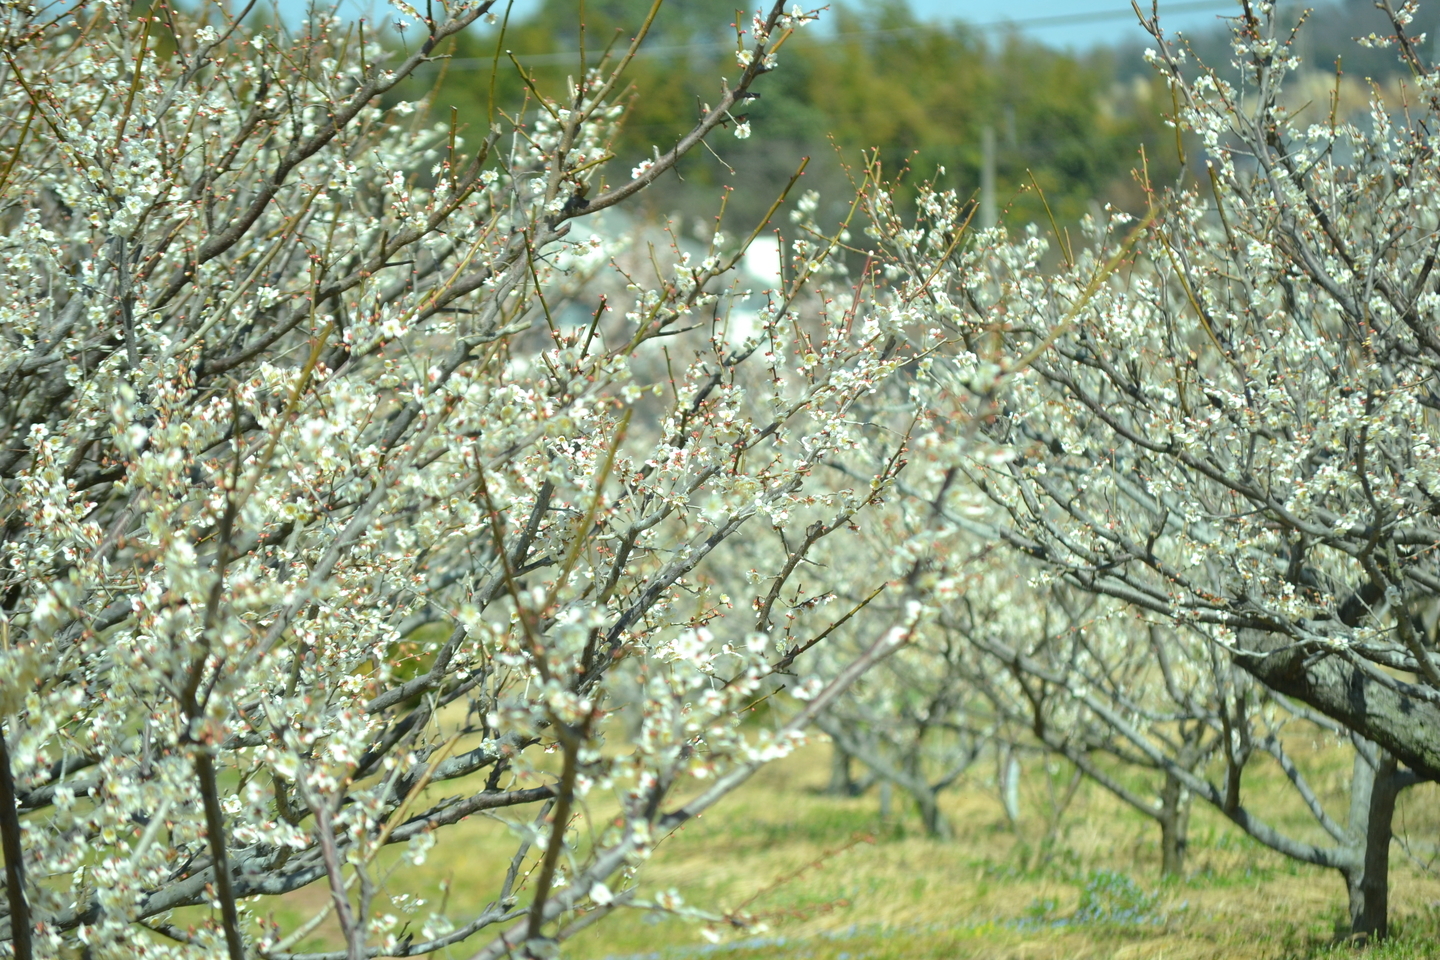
pixel 1226 420
pixel 875 77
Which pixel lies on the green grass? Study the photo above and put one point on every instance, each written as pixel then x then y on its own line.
pixel 987 894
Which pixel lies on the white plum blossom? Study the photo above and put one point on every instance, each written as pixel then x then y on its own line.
pixel 329 525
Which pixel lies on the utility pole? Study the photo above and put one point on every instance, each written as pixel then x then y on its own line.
pixel 987 177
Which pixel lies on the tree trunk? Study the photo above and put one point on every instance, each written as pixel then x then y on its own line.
pixel 842 782
pixel 936 826
pixel 1372 809
pixel 1010 786
pixel 1174 827
pixel 20 922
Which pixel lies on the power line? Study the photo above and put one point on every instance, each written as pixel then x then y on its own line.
pixel 1096 16
pixel 689 49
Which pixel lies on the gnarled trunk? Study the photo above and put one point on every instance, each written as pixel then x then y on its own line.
pixel 1406 725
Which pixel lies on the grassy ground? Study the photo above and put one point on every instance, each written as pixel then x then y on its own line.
pixel 986 894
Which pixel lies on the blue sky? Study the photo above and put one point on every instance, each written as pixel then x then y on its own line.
pixel 1085 23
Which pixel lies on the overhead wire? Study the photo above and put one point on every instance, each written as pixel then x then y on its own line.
pixel 660 52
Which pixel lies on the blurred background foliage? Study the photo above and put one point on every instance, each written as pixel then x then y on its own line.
pixel 873 76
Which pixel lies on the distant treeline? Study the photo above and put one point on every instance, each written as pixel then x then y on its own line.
pixel 870 76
